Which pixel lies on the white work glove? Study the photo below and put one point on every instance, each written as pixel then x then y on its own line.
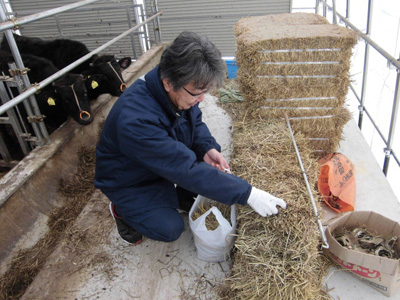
pixel 264 203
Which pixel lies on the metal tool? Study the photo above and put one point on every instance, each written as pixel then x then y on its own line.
pixel 321 229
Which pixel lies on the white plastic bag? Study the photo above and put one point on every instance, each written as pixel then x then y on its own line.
pixel 212 245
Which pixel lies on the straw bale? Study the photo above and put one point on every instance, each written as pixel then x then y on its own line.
pixel 323 132
pixel 285 93
pixel 302 100
pixel 301 103
pixel 284 19
pixel 297 68
pixel 314 113
pixel 323 146
pixel 258 95
pixel 276 87
pixel 294 55
pixel 276 257
pixel 318 36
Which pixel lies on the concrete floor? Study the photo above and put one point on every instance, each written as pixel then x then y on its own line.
pixel 98 265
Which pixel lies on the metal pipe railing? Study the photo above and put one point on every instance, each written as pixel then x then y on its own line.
pixel 71 66
pixel 392 60
pixel 366 64
pixel 15 22
pixel 32 107
pixel 388 150
pixel 378 48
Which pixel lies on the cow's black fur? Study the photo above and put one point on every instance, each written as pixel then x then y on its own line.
pixel 71 89
pixel 105 71
pixel 53 103
pixel 63 52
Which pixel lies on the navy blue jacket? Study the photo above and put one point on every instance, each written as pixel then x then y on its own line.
pixel 146 146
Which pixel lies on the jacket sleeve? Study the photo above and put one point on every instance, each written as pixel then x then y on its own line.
pixel 145 140
pixel 203 141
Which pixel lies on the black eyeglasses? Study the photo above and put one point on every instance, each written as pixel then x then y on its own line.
pixel 194 95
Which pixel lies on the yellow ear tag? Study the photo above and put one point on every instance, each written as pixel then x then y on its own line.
pixel 50 101
pixel 94 84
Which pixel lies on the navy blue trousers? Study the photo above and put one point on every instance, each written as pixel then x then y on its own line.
pixel 161 224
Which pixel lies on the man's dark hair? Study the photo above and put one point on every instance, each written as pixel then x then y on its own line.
pixel 192 58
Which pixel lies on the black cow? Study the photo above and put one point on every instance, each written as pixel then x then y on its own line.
pixel 63 52
pixel 104 76
pixel 66 97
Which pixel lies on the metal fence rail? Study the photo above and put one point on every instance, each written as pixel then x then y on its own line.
pixel 40 130
pixel 363 111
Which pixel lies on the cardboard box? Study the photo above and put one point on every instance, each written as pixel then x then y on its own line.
pixel 381 273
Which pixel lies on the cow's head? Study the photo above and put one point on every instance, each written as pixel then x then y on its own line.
pixel 72 91
pixel 107 65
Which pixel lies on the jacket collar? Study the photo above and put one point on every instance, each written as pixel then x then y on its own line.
pixel 156 88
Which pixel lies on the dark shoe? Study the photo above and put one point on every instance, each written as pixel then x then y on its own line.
pixel 128 234
pixel 185 199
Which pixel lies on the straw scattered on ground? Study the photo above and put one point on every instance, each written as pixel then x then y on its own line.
pixel 28 263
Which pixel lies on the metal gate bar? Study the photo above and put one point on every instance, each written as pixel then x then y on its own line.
pixel 388 151
pixel 27 19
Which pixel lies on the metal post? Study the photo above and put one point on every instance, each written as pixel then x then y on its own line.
pixel 145 29
pixel 156 22
pixel 128 15
pixel 388 149
pixel 317 3
pixel 60 32
pixel 13 120
pixel 366 63
pixel 392 60
pixel 68 68
pixel 138 9
pixel 39 128
pixel 334 11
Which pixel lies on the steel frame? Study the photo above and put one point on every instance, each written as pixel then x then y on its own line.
pixel 27 90
pixel 388 150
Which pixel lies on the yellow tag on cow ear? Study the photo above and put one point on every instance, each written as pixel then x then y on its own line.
pixel 50 101
pixel 94 84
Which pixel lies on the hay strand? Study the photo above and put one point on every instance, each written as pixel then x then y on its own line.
pixel 276 257
pixel 211 220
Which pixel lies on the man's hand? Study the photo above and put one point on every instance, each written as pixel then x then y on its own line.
pixel 216 159
pixel 264 203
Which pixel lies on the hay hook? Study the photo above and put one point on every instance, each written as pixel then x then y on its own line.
pixel 324 240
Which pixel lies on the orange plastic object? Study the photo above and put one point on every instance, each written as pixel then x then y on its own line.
pixel 337 182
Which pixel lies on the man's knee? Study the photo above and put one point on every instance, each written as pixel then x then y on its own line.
pixel 171 230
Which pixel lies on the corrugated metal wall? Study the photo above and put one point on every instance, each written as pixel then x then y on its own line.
pixel 93 24
pixel 214 18
pixel 99 22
